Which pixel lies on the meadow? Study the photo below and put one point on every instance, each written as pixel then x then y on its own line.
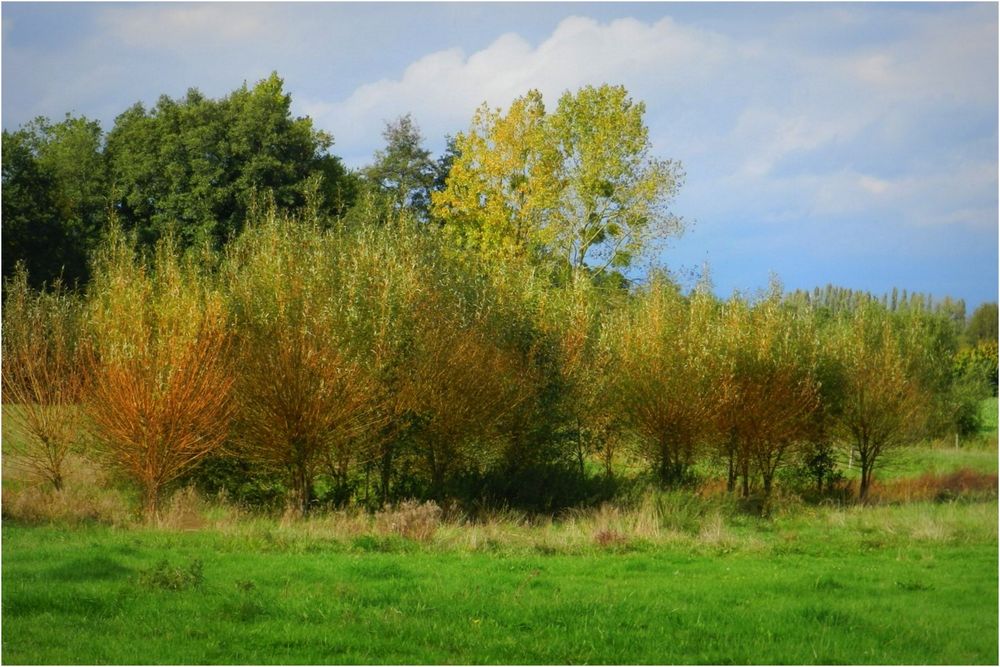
pixel 679 578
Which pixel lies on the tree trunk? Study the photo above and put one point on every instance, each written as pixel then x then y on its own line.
pixel 302 487
pixel 866 480
pixel 385 475
pixel 151 502
pixel 437 476
pixel 731 475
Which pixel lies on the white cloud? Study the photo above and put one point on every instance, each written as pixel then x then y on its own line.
pixel 443 88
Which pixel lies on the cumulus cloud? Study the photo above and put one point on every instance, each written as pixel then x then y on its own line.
pixel 442 89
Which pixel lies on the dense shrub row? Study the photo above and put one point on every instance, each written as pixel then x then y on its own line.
pixel 371 362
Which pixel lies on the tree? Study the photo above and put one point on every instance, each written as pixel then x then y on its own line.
pixel 575 317
pixel 503 184
pixel 768 388
pixel 614 193
pixel 462 385
pixel 404 168
pixel 55 198
pixel 883 402
pixel 42 375
pixel 577 186
pixel 664 387
pixel 193 165
pixel 160 381
pixel 442 166
pixel 983 324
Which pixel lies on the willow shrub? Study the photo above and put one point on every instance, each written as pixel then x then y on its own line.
pixel 303 392
pixel 885 401
pixel 43 377
pixel 159 391
pixel 769 386
pixel 664 388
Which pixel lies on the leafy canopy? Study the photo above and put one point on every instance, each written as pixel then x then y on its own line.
pixel 578 187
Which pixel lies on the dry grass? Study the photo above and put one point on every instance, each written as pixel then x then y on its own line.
pixel 71 505
pixel 410 519
pixel 964 483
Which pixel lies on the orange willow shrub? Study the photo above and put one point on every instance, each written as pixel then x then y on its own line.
pixel 160 383
pixel 42 376
pixel 302 390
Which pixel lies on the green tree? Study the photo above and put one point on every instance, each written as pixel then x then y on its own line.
pixel 193 165
pixel 983 324
pixel 883 404
pixel 578 186
pixel 55 198
pixel 404 168
pixel 615 194
pixel 503 183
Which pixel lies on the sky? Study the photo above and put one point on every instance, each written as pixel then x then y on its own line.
pixel 852 144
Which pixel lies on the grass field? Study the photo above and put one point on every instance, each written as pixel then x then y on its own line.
pixel 679 579
pixel 914 584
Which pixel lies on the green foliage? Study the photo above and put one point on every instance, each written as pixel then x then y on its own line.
pixel 404 169
pixel 577 186
pixel 55 198
pixel 983 324
pixel 496 356
pixel 192 165
pixel 614 193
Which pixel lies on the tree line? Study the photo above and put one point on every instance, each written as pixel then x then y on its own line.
pixel 246 315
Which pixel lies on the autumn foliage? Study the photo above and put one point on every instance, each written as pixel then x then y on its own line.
pixel 42 375
pixel 493 348
pixel 160 382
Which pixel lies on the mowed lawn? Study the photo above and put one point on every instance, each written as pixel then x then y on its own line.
pixel 812 590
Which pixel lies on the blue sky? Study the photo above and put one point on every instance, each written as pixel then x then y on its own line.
pixel 853 144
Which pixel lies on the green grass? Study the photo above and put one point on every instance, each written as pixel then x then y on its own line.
pixel 911 584
pixel 684 580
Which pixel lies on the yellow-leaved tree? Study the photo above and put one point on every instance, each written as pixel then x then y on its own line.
pixel 503 184
pixel 579 187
